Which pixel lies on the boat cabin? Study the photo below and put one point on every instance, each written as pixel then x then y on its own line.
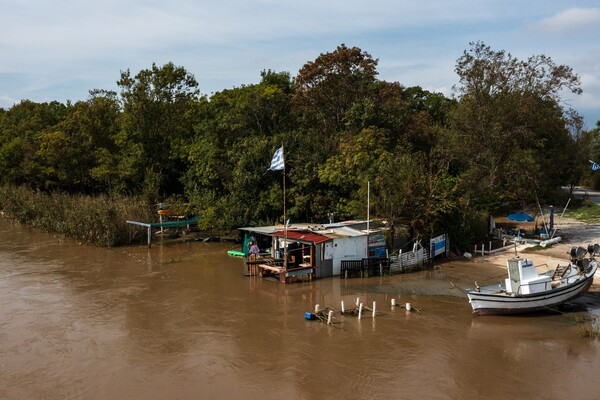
pixel 523 278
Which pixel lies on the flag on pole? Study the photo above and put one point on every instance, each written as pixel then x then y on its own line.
pixel 595 166
pixel 277 162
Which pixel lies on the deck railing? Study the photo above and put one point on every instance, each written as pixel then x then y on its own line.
pixel 364 268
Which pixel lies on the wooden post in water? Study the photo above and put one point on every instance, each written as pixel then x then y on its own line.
pixel 374 306
pixel 360 311
pixel 329 317
pixel 343 310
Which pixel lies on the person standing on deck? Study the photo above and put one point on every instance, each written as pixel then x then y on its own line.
pixel 254 250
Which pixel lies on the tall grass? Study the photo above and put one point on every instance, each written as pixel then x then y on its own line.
pixel 587 213
pixel 99 220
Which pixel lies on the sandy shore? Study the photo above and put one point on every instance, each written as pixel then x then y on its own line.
pixel 488 269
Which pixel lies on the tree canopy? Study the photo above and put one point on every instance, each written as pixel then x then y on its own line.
pixel 434 162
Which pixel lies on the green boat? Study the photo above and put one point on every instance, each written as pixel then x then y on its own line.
pixel 236 253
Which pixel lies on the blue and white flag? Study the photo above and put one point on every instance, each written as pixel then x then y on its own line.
pixel 595 166
pixel 277 163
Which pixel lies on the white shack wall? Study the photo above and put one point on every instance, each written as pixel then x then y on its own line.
pixel 348 248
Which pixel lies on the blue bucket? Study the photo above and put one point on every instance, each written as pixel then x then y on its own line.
pixel 309 316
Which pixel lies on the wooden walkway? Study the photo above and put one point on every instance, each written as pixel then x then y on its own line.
pixel 272 267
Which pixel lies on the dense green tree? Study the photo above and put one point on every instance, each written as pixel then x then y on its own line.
pixel 21 128
pixel 329 86
pixel 349 170
pixel 262 109
pixel 510 124
pixel 81 153
pixel 157 125
pixel 101 117
pixel 593 138
pixel 236 131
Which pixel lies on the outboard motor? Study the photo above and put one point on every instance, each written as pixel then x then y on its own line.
pixel 586 265
pixel 591 249
pixel 573 252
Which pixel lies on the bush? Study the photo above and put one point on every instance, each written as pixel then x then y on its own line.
pixel 99 220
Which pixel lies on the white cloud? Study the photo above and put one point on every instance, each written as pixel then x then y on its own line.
pixel 587 66
pixel 589 101
pixel 7 102
pixel 573 20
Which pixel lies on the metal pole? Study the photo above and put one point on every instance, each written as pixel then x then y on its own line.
pixel 561 215
pixel 368 213
pixel 284 219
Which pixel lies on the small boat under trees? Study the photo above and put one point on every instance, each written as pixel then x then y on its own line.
pixel 525 290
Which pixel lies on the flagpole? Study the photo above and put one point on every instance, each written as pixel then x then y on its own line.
pixel 368 213
pixel 278 164
pixel 284 222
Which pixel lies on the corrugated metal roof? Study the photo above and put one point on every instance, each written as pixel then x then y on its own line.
pixel 347 231
pixel 265 230
pixel 320 233
pixel 269 230
pixel 303 236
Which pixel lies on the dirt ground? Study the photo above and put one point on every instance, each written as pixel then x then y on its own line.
pixel 488 269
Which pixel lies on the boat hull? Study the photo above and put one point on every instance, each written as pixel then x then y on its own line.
pixel 499 304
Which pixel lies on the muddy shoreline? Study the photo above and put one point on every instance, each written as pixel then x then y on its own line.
pixel 487 268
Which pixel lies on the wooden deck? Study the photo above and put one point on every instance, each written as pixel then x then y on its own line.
pixel 271 267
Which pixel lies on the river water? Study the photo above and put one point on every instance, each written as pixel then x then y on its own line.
pixel 181 321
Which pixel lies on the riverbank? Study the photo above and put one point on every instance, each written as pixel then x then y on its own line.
pixel 489 268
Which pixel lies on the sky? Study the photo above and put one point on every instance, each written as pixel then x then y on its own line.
pixel 61 49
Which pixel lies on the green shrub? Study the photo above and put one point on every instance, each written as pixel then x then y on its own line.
pixel 99 220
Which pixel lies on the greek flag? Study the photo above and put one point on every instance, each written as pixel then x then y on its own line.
pixel 277 161
pixel 595 167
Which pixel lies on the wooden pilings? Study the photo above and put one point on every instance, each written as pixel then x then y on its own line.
pixel 325 315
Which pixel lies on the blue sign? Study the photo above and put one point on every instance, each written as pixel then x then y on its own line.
pixel 437 245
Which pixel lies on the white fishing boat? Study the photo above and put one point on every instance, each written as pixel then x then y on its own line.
pixel 525 290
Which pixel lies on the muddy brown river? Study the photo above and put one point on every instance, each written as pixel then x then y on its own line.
pixel 181 321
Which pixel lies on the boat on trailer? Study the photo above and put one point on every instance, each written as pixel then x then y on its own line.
pixel 525 290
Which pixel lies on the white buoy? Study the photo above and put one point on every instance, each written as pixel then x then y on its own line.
pixel 393 302
pixel 360 311
pixel 374 307
pixel 408 307
pixel 329 317
pixel 343 310
pixel 317 308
